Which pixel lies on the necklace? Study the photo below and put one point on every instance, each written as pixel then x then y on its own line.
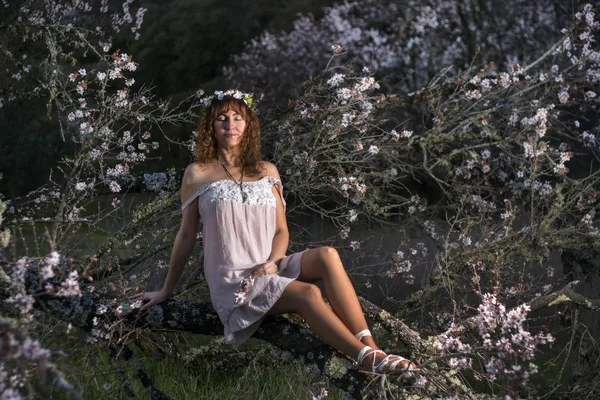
pixel 240 183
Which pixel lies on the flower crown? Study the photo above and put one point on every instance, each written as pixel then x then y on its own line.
pixel 219 95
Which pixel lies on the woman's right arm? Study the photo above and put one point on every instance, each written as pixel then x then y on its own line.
pixel 184 241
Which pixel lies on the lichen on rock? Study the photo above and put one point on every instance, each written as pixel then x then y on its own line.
pixel 337 367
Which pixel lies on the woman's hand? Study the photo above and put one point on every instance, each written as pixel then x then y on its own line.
pixel 265 268
pixel 152 298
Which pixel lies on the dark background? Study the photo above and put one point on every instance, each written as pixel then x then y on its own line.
pixel 184 45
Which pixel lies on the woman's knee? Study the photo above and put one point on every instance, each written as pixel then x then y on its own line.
pixel 329 255
pixel 296 297
pixel 309 295
pixel 331 260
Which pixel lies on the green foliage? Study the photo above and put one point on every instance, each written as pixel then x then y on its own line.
pixel 92 371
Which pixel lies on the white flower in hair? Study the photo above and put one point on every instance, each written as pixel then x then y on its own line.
pixel 235 93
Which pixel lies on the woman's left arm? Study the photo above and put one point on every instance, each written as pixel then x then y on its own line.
pixel 281 237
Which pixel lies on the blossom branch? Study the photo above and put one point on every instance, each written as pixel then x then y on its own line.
pixel 565 295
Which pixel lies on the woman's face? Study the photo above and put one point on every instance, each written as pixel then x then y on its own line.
pixel 229 128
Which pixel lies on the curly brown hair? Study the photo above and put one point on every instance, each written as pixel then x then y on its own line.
pixel 249 151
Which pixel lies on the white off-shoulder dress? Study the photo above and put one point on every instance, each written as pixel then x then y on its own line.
pixel 237 236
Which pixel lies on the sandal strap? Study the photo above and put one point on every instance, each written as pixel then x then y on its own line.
pixel 360 335
pixel 379 367
pixel 364 353
pixel 398 361
pixel 392 359
pixel 394 364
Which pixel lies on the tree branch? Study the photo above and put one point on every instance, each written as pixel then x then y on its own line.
pixel 564 295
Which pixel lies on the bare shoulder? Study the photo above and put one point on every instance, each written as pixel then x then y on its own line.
pixel 270 169
pixel 194 176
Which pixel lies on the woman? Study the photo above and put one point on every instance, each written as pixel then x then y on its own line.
pixel 239 198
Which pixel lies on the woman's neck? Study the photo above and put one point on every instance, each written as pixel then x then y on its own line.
pixel 229 158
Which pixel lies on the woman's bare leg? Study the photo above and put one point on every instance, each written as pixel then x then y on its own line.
pixel 306 299
pixel 324 264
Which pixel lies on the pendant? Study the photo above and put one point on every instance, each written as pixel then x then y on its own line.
pixel 244 196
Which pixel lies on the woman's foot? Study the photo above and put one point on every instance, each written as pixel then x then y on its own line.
pixel 379 362
pixel 373 359
pixel 402 364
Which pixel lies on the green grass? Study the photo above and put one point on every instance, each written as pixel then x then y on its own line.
pixel 92 372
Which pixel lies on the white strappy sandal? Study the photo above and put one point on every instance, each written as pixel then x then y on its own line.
pixel 360 335
pixel 380 367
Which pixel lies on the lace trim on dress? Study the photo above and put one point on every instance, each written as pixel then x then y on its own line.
pixel 228 190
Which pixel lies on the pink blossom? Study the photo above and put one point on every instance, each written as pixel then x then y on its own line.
pixel 347 119
pixel 114 187
pixel 321 395
pixel 335 80
pixel 137 304
pixel 352 215
pixel 344 232
pixel 504 80
pixel 70 287
pixel 563 96
pixel 23 302
pixel 46 272
pixel 373 149
pixel 18 273
pixel 33 351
